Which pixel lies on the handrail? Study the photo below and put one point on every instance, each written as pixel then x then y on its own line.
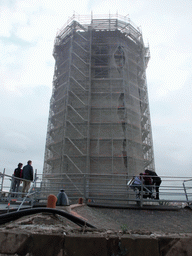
pixel 82 36
pixel 28 193
pixel 107 187
pixel 77 112
pixel 75 146
pixel 79 70
pixel 86 63
pixel 73 163
pixel 74 184
pixel 17 193
pixel 80 46
pixel 78 83
pixel 187 194
pixel 75 128
pixel 11 176
pixel 77 97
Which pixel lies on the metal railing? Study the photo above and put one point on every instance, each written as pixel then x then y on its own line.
pixel 113 189
pixel 10 195
pixel 101 189
pixel 187 185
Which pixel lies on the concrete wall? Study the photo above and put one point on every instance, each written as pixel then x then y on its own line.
pixel 107 244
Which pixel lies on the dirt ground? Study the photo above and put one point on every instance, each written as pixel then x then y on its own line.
pixel 128 221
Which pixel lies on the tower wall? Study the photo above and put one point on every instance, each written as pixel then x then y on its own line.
pixel 99 121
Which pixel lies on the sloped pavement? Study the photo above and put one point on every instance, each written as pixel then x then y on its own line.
pixel 140 220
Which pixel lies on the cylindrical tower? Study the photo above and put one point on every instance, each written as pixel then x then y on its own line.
pixel 99 120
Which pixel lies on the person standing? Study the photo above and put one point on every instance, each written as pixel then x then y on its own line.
pixel 17 174
pixel 148 182
pixel 27 176
pixel 156 181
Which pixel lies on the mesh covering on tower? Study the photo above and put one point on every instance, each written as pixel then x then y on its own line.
pixel 99 120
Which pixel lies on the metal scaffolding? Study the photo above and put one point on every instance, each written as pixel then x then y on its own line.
pixel 99 120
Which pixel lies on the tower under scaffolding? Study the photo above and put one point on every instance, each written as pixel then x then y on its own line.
pixel 99 120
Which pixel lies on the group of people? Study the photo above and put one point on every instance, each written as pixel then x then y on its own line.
pixel 24 175
pixel 149 179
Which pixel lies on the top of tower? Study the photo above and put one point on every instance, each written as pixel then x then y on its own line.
pixel 109 22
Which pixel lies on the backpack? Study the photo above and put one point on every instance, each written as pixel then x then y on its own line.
pixel 17 172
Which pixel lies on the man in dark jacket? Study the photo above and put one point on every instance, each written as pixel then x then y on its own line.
pixel 156 181
pixel 27 176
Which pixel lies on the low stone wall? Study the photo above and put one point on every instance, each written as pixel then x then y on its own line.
pixel 12 243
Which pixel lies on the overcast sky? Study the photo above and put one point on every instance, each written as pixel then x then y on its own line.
pixel 27 32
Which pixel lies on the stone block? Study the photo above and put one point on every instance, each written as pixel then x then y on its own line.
pixel 85 245
pixel 175 247
pixel 11 242
pixel 165 243
pixel 139 246
pixel 113 245
pixel 34 244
